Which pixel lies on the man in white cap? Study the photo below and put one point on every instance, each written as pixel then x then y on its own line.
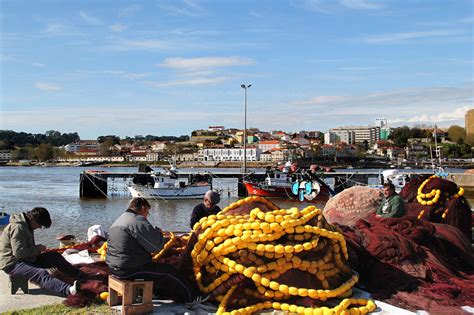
pixel 208 207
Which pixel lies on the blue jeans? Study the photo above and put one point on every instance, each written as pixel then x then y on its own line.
pixel 37 273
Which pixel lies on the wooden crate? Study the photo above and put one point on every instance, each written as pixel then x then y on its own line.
pixel 128 289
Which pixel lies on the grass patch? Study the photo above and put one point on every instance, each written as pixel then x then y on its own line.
pixel 60 308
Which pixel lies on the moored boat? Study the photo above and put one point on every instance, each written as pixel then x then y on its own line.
pixel 169 185
pixel 301 185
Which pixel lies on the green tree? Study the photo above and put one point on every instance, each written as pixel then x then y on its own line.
pixel 24 153
pixel 457 134
pixel 44 152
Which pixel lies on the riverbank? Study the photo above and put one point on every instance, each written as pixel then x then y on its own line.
pixel 349 164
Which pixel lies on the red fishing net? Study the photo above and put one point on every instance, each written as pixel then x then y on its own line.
pixel 405 261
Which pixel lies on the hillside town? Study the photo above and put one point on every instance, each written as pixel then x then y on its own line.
pixel 220 145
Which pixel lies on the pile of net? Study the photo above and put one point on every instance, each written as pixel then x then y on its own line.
pixel 413 264
pixel 254 256
pixel 352 204
pixel 438 200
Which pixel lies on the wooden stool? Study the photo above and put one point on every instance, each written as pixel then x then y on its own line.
pixel 128 289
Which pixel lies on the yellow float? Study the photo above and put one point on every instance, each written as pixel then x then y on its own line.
pixel 262 248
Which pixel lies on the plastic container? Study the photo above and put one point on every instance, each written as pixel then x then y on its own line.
pixel 4 218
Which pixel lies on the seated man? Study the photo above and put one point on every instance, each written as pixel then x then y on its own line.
pixel 20 256
pixel 132 240
pixel 207 207
pixel 392 204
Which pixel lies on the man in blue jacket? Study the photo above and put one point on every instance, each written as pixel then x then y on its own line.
pixel 132 240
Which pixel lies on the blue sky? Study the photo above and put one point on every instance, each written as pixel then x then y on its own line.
pixel 168 67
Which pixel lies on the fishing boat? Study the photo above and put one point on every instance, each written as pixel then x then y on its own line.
pixel 301 185
pixel 169 185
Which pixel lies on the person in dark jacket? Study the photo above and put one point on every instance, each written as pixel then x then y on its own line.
pixel 392 205
pixel 20 256
pixel 132 240
pixel 206 208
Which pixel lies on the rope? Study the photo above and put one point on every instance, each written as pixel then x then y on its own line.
pixel 106 196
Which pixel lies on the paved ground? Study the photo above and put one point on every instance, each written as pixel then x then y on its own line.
pixel 37 297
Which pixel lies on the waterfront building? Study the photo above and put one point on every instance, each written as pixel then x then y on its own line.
pixel 339 135
pixel 215 128
pixel 469 121
pixel 268 145
pixel 231 154
pixel 280 155
pixel 358 134
pixel 266 156
pixel 5 155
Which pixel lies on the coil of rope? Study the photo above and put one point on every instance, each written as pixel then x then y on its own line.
pixel 254 254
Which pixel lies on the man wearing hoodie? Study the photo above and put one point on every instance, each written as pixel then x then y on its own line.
pixel 20 256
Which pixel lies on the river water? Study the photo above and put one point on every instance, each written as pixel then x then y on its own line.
pixel 57 189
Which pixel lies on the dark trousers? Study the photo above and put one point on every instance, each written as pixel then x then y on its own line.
pixel 167 280
pixel 37 272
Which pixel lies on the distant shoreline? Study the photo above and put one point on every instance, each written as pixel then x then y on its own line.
pixel 188 164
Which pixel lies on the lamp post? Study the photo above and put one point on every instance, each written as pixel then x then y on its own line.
pixel 245 87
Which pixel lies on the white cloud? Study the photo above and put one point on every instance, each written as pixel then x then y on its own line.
pixel 117 28
pixel 194 81
pixel 7 58
pixel 406 98
pixel 457 114
pixel 59 29
pixel 146 45
pixel 410 36
pixel 331 6
pixel 205 62
pixel 89 19
pixel 38 64
pixel 361 4
pixel 188 8
pixel 47 86
pixel 129 11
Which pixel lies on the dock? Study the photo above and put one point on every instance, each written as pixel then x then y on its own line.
pixel 95 184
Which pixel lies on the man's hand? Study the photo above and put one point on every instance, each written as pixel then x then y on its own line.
pixel 41 248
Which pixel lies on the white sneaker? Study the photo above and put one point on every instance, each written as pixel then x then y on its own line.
pixel 74 288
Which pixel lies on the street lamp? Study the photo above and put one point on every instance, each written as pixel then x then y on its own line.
pixel 245 87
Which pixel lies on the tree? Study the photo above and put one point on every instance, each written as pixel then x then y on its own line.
pixel 365 145
pixel 457 134
pixel 44 152
pixel 22 154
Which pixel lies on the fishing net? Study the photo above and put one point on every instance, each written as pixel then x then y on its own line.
pixel 438 200
pixel 405 260
pixel 352 204
pixel 254 256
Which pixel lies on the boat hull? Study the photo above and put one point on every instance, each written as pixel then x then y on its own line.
pixel 282 192
pixel 190 192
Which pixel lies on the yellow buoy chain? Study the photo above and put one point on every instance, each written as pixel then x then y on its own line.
pixel 261 246
pixel 425 198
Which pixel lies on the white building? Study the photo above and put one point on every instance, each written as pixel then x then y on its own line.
pixel 336 135
pixel 215 128
pixel 231 154
pixel 330 138
pixel 268 145
pixel 5 155
pixel 358 134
